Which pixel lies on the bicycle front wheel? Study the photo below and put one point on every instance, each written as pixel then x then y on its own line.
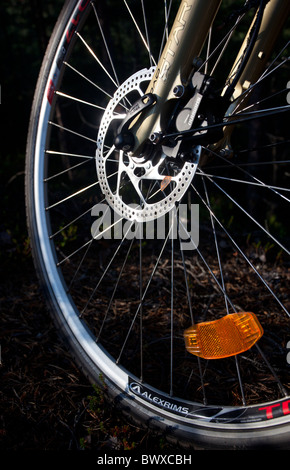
pixel 123 273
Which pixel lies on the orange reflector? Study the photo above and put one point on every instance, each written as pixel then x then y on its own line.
pixel 165 182
pixel 228 336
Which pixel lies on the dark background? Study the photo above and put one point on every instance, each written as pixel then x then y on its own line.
pixel 25 29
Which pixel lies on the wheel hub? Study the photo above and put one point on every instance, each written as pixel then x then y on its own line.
pixel 136 187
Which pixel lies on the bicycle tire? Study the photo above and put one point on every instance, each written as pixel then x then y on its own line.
pixel 183 421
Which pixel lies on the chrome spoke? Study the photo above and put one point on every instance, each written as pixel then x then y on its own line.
pixel 275 189
pixel 115 289
pixel 242 253
pixel 67 170
pixel 210 271
pixel 248 214
pixel 174 219
pixel 167 10
pixel 146 32
pixel 66 154
pixel 106 44
pixel 71 131
pixel 139 31
pixel 216 247
pixel 88 80
pixel 222 45
pixel 223 283
pixel 73 98
pixel 106 269
pixel 144 295
pixel 97 59
pixel 75 194
pixel 241 164
pixel 268 72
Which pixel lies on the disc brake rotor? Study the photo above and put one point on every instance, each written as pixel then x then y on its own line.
pixel 137 188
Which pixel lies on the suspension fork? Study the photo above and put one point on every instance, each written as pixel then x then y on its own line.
pixel 275 15
pixel 185 42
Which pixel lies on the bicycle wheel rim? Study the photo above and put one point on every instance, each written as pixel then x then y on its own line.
pixel 158 402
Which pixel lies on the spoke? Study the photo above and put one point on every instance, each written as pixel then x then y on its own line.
pixel 165 29
pixel 73 98
pixel 139 31
pixel 144 294
pixel 191 316
pixel 71 131
pixel 223 284
pixel 224 40
pixel 216 245
pixel 166 15
pixel 97 59
pixel 262 147
pixel 146 32
pixel 141 308
pixel 242 253
pixel 66 258
pixel 261 101
pixel 208 50
pixel 260 184
pixel 269 68
pixel 282 388
pixel 261 112
pixel 265 75
pixel 79 217
pixel 247 213
pixel 105 43
pixel 115 289
pixel 88 80
pixel 241 164
pixel 88 246
pixel 174 217
pixel 77 193
pixel 107 229
pixel 53 235
pixel 65 154
pixel 66 170
pixel 209 269
pixel 275 189
pixel 186 283
pixel 240 381
pixel 107 267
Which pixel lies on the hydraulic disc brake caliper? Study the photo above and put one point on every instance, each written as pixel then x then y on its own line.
pixel 203 109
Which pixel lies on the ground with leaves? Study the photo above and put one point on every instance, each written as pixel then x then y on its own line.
pixel 46 403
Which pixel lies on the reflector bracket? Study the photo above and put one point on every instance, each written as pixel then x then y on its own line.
pixel 228 336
